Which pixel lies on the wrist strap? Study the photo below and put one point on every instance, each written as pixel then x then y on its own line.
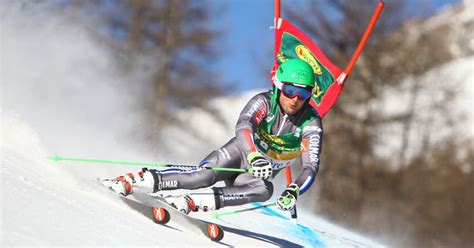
pixel 253 155
pixel 294 188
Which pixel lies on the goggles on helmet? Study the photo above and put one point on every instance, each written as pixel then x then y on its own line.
pixel 290 91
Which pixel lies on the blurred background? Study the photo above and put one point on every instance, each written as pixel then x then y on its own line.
pixel 164 81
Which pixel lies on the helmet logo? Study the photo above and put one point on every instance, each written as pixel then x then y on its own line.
pixel 300 76
pixel 305 55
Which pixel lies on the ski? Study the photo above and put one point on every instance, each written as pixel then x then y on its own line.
pixel 160 206
pixel 161 212
pixel 158 215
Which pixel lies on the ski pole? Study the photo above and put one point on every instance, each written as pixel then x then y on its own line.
pixel 217 215
pixel 59 158
pixel 289 180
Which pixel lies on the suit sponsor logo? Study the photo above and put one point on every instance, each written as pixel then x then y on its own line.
pixel 259 103
pixel 313 128
pixel 297 132
pixel 258 117
pixel 168 184
pixel 270 117
pixel 278 165
pixel 231 197
pixel 314 148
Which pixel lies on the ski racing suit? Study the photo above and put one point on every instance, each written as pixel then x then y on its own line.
pixel 262 126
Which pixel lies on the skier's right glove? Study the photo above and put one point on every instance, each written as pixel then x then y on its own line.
pixel 260 166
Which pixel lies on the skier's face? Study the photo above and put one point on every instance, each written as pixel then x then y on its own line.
pixel 292 105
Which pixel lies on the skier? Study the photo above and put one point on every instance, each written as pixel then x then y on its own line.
pixel 274 130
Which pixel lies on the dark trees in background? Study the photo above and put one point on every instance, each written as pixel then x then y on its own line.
pixel 166 46
pixel 416 198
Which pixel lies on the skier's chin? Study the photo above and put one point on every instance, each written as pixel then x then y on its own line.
pixel 292 109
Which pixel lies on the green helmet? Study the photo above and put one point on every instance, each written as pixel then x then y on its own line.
pixel 295 71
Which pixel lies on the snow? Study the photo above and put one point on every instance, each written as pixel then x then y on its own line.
pixel 61 96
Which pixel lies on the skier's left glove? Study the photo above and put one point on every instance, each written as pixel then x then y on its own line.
pixel 287 200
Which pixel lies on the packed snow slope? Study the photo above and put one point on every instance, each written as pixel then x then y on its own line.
pixel 46 203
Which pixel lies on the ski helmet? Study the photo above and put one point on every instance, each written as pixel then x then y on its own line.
pixel 296 72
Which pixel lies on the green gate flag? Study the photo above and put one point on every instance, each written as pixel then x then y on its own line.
pixel 291 43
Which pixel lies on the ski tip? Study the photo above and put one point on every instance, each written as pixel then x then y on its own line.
pixel 215 232
pixel 161 215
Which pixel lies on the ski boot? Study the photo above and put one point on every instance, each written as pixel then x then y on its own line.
pixel 204 200
pixel 143 181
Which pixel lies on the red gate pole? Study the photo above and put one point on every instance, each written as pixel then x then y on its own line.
pixel 289 179
pixel 362 41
